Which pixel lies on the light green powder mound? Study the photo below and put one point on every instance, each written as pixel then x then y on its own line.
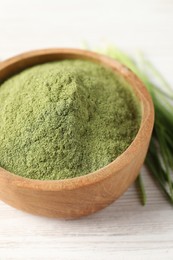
pixel 64 119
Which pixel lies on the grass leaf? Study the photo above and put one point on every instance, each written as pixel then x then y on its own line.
pixel 159 159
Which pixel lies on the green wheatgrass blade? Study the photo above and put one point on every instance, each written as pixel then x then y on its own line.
pixel 141 188
pixel 157 74
pixel 164 156
pixel 157 175
pixel 159 159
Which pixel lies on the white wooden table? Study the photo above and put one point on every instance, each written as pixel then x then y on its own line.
pixel 124 230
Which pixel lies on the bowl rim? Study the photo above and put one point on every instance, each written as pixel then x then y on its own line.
pixel 16 64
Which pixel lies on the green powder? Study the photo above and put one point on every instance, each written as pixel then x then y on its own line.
pixel 65 119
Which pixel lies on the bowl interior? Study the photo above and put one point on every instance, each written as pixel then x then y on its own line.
pixel 26 60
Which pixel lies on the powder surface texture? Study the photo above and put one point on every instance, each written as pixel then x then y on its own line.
pixel 65 119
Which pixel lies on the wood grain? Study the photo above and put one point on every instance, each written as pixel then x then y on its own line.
pixel 125 230
pixel 73 198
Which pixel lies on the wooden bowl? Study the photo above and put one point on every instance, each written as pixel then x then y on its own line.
pixel 80 196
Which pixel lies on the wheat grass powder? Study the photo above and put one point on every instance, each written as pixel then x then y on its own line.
pixel 65 119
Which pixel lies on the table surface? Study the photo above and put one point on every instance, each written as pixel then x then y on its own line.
pixel 125 229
